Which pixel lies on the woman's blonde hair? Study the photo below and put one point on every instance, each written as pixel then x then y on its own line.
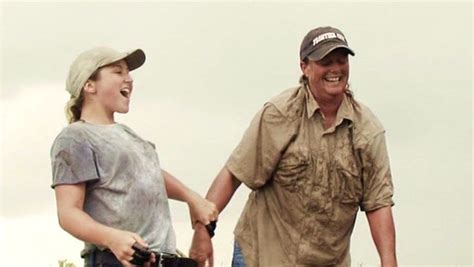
pixel 74 105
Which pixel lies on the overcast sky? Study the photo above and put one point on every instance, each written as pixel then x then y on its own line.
pixel 210 67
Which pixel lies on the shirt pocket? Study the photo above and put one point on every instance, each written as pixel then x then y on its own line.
pixel 348 180
pixel 349 187
pixel 292 171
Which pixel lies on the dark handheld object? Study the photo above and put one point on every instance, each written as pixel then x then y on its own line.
pixel 211 227
pixel 141 254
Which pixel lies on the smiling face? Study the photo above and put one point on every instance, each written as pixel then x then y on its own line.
pixel 328 77
pixel 112 89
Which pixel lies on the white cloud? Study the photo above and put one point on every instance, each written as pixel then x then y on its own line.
pixel 31 119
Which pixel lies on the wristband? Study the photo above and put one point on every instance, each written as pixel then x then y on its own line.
pixel 211 227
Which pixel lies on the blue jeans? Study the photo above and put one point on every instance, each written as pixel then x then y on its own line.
pixel 237 258
pixel 89 261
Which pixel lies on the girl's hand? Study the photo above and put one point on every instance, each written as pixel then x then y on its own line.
pixel 121 242
pixel 202 210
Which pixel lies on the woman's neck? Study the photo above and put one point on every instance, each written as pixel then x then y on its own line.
pixel 329 105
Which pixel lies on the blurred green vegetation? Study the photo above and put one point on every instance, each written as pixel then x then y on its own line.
pixel 65 263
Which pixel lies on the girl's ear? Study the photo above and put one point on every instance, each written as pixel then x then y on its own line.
pixel 89 87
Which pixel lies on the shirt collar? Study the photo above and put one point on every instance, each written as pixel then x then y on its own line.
pixel 345 111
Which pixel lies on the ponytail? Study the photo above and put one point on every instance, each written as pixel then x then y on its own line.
pixel 74 105
pixel 350 97
pixel 74 108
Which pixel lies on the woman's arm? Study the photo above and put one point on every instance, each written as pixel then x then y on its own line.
pixel 383 233
pixel 73 219
pixel 221 191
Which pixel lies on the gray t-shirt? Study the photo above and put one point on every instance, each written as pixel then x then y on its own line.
pixel 124 185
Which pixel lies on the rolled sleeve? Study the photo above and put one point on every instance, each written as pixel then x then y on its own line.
pixel 377 178
pixel 254 160
pixel 73 162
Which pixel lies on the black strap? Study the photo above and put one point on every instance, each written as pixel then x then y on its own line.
pixel 177 262
pixel 211 227
pixel 107 257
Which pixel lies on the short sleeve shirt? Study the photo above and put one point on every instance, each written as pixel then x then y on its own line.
pixel 308 182
pixel 124 185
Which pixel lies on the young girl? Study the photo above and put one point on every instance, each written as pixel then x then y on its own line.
pixel 110 189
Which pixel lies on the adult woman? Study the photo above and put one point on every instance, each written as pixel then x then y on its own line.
pixel 312 156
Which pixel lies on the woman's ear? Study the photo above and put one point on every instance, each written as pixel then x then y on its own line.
pixel 303 66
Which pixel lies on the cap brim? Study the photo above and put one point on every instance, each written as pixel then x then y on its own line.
pixel 135 59
pixel 318 55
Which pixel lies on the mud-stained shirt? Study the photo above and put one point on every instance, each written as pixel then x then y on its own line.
pixel 308 182
pixel 124 185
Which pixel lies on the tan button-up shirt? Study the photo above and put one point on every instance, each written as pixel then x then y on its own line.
pixel 308 182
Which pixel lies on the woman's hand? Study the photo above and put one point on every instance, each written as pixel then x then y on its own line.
pixel 201 247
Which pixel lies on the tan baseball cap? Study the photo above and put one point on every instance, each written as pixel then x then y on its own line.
pixel 89 61
pixel 321 41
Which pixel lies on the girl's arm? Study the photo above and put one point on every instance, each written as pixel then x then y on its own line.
pixel 73 219
pixel 201 210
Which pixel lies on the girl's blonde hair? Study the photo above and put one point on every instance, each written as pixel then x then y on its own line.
pixel 74 105
pixel 74 108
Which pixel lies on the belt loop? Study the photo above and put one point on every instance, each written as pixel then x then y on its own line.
pixel 89 259
pixel 160 260
pixel 92 258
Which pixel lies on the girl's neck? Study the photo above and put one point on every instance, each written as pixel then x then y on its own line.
pixel 96 115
